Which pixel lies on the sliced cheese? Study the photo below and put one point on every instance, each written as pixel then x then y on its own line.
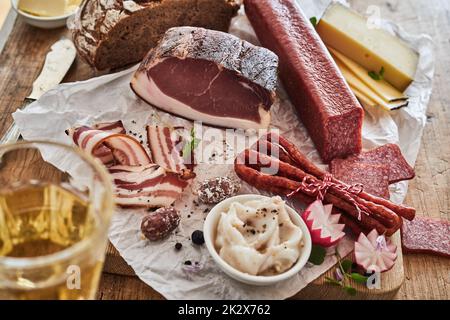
pixel 358 86
pixel 364 99
pixel 346 31
pixel 381 87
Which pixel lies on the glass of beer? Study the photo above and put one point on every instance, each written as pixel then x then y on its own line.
pixel 53 221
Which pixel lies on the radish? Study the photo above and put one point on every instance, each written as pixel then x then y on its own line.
pixel 374 252
pixel 324 227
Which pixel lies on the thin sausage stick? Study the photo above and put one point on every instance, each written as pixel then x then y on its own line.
pixel 303 162
pixel 352 224
pixel 384 215
pixel 273 150
pixel 266 182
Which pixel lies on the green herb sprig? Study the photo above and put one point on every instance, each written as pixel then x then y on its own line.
pixel 377 76
pixel 318 254
pixel 190 145
pixel 313 21
pixel 345 270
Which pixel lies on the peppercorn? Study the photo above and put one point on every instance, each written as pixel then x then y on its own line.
pixel 197 237
pixel 178 246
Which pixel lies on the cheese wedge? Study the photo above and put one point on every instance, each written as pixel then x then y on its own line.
pixel 381 87
pixel 346 31
pixel 358 86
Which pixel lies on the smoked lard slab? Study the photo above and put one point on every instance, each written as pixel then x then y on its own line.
pixel 325 104
pixel 209 76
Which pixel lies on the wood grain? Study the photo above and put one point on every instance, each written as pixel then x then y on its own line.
pixel 426 277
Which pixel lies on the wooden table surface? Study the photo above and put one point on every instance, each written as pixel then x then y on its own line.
pixel 426 277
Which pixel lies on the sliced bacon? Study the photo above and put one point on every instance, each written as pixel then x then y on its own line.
pixel 138 181
pixel 116 127
pixel 146 186
pixel 124 149
pixel 163 149
pixel 104 154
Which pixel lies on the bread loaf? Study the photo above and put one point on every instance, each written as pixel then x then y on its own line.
pixel 110 34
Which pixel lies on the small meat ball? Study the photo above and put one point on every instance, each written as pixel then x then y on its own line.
pixel 214 190
pixel 159 224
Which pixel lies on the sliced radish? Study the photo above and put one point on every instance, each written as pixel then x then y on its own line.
pixel 374 252
pixel 324 227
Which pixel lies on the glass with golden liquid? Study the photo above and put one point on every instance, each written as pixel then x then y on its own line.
pixel 53 225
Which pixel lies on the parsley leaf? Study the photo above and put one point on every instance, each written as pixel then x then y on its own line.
pixel 358 278
pixel 317 256
pixel 191 145
pixel 333 282
pixel 346 265
pixel 374 75
pixel 313 21
pixel 377 76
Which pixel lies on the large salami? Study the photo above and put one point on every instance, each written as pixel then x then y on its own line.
pixel 325 104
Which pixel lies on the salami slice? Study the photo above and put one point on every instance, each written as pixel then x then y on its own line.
pixel 374 177
pixel 388 154
pixel 426 235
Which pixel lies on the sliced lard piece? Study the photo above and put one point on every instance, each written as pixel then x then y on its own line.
pixel 146 186
pixel 110 147
pixel 116 127
pixel 209 76
pixel 103 152
pixel 164 149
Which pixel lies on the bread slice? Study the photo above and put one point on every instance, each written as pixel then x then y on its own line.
pixel 110 34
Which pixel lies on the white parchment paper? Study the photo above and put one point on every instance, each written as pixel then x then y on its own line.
pixel 109 98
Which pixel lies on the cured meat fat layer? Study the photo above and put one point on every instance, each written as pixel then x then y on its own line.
pixel 209 76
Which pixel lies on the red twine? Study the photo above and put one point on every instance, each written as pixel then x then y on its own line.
pixel 320 189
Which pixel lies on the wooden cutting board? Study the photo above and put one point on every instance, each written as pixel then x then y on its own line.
pixel 21 61
pixel 391 281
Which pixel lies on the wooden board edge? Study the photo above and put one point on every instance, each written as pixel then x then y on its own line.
pixel 318 289
pixel 393 281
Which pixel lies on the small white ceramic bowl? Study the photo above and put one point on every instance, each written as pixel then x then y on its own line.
pixel 41 22
pixel 210 228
